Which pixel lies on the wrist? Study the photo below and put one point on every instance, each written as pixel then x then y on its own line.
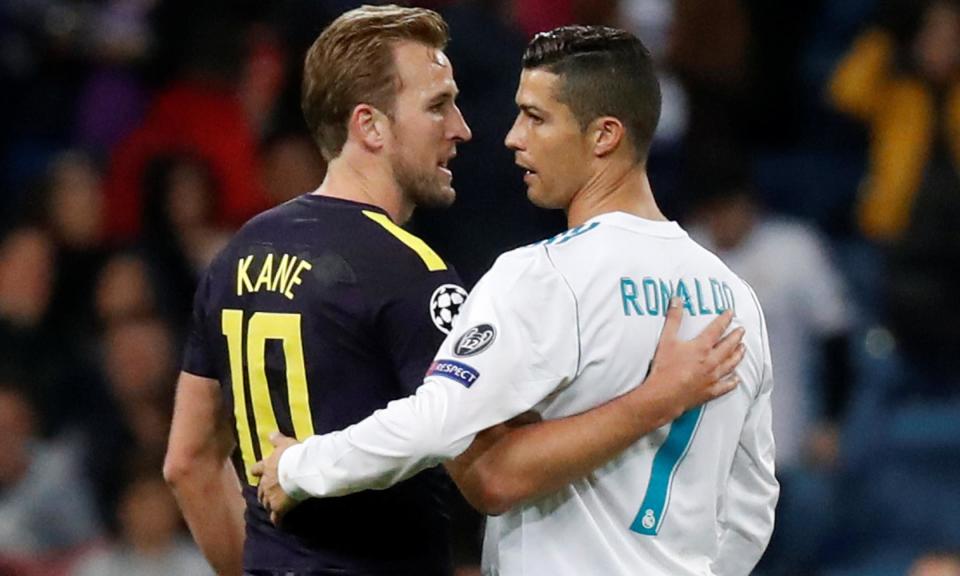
pixel 655 400
pixel 286 472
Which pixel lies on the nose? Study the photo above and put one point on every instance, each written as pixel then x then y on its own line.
pixel 460 131
pixel 514 139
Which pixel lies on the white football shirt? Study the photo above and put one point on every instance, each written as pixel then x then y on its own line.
pixel 561 327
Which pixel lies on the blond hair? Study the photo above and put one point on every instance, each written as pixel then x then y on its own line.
pixel 352 63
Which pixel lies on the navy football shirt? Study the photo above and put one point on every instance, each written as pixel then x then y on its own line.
pixel 317 313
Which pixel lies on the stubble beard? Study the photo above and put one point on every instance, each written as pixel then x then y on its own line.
pixel 422 188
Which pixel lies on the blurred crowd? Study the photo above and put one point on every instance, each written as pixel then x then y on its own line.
pixel 814 145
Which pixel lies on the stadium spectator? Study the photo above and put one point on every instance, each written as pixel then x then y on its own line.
pixel 898 78
pixel 28 341
pixel 199 113
pixel 124 289
pixel 180 235
pixel 291 164
pixel 809 320
pixel 73 213
pixel 902 78
pixel 133 419
pixel 804 300
pixel 46 506
pixel 936 564
pixel 149 540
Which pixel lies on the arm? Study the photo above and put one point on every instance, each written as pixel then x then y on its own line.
pixel 746 521
pixel 857 85
pixel 198 469
pixel 508 465
pixel 521 320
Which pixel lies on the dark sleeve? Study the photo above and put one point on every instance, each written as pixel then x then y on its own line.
pixel 198 357
pixel 837 375
pixel 415 319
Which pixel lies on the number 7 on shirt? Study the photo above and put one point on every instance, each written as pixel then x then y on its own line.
pixel 665 464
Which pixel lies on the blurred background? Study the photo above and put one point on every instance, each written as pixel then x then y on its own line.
pixel 813 144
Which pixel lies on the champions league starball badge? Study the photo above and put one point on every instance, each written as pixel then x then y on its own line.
pixel 445 305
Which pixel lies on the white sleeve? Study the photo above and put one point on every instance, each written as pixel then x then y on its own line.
pixel 819 287
pixel 515 342
pixel 752 487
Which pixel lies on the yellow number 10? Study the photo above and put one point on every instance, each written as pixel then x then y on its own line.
pixel 265 326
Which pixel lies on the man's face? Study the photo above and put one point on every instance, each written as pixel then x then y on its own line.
pixel 548 142
pixel 427 125
pixel 938 43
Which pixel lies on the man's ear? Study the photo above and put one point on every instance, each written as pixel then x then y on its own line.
pixel 608 134
pixel 369 127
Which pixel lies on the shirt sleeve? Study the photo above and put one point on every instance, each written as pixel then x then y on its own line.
pixel 752 487
pixel 197 356
pixel 414 319
pixel 820 288
pixel 515 342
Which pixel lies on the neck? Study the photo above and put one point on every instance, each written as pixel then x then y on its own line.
pixel 368 180
pixel 614 188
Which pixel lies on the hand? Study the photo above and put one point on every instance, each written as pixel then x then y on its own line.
pixel 270 494
pixel 696 371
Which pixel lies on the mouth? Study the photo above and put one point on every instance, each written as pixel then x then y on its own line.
pixel 528 172
pixel 444 164
pixel 444 167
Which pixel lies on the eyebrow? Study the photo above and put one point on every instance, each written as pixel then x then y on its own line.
pixel 530 109
pixel 443 96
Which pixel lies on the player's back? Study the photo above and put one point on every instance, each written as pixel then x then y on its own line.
pixel 316 314
pixel 663 506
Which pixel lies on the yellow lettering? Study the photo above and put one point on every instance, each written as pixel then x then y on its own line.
pixel 243 281
pixel 266 274
pixel 284 270
pixel 304 265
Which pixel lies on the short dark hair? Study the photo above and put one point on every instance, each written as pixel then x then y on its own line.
pixel 351 62
pixel 604 72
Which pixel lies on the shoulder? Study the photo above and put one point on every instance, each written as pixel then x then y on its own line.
pixel 789 229
pixel 525 278
pixel 800 241
pixel 391 242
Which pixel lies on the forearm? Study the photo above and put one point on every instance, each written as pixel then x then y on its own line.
pixel 752 490
pixel 858 82
pixel 197 468
pixel 212 505
pixel 532 461
pixel 390 445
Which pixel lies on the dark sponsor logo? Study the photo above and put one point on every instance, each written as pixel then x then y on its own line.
pixel 475 340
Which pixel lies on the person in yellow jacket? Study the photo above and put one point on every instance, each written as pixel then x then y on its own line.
pixel 908 93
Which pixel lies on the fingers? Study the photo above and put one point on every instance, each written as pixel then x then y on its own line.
pixel 730 361
pixel 724 386
pixel 276 438
pixel 727 346
pixel 717 327
pixel 258 469
pixel 674 315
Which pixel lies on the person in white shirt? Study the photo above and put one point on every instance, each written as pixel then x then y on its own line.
pixel 564 326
